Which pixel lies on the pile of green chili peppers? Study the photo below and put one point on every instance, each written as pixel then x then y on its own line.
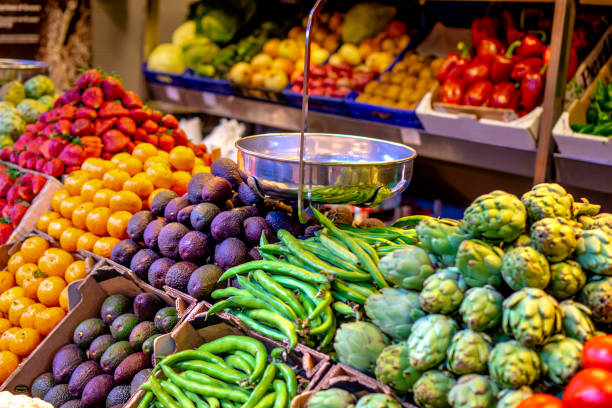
pixel 599 113
pixel 230 372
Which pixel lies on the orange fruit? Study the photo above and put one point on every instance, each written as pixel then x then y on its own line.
pixel 87 241
pixel 31 284
pixel 7 337
pixel 49 291
pixel 79 215
pixel 160 176
pixel 198 161
pixel 7 281
pixel 104 246
pixel 64 299
pixel 200 169
pixel 117 224
pixel 75 271
pixel 69 238
pixel 180 181
pixel 45 218
pixel 33 248
pixel 125 201
pixel 143 151
pixel 46 320
pixel 156 160
pixel 55 262
pixel 24 341
pixel 5 324
pixel 68 205
pixel 57 198
pixel 130 165
pixel 18 306
pixel 119 157
pixel 163 154
pixel 140 176
pixel 95 166
pixel 56 227
pixel 28 317
pixel 8 363
pixel 96 220
pixel 152 195
pixel 182 158
pixel 7 297
pixel 102 197
pixel 142 187
pixel 25 271
pixel 75 181
pixel 15 261
pixel 90 188
pixel 114 179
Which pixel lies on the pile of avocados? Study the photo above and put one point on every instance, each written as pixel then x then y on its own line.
pixel 186 242
pixel 111 355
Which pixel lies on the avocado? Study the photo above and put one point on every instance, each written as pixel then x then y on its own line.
pixel 118 396
pixel 216 190
pixel 310 230
pixel 130 366
pixel 254 227
pixel 147 346
pixel 202 215
pixel 226 168
pixel 173 207
pixel 146 304
pixel 140 333
pixel 75 403
pixel 184 216
pixel 65 361
pixel 151 233
pixel 99 346
pixel 178 275
pixel 194 188
pixel 227 205
pixel 230 253
pixel 42 384
pixel 226 225
pixel 166 319
pixel 243 176
pixel 114 306
pixel 142 261
pixel 245 212
pixel 254 254
pixel 124 251
pixel 81 376
pixel 97 389
pixel 281 220
pixel 87 331
pixel 138 223
pixel 123 325
pixel 247 195
pixel 340 215
pixel 235 199
pixel 115 355
pixel 58 395
pixel 203 281
pixel 372 222
pixel 160 201
pixel 196 247
pixel 140 378
pixel 158 270
pixel 169 238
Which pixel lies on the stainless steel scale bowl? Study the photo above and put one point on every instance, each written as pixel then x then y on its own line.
pixel 15 69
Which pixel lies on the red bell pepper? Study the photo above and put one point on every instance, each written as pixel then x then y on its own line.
pixel 479 94
pixel 580 38
pixel 502 64
pixel 452 90
pixel 488 48
pixel 531 46
pixel 478 70
pixel 512 33
pixel 454 64
pixel 505 95
pixel 573 62
pixel 526 66
pixel 532 85
pixel 484 27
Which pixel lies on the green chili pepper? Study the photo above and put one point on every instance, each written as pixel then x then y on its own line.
pixel 267 401
pixel 227 292
pixel 277 267
pixel 190 355
pixel 289 377
pixel 282 396
pixel 223 373
pixel 233 343
pixel 246 356
pixel 213 402
pixel 205 389
pixel 325 302
pixel 279 291
pixel 310 306
pixel 146 400
pixel 348 293
pixel 363 289
pixel 603 130
pixel 344 309
pixel 328 321
pixel 262 387
pixel 335 247
pixel 239 364
pixel 248 302
pixel 258 327
pixel 329 336
pixel 276 303
pixel 175 391
pixel 274 319
pixel 356 274
pixel 196 399
pixel 162 397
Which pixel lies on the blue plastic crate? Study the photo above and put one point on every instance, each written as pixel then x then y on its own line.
pixel 325 104
pixel 163 78
pixel 205 84
pixel 384 114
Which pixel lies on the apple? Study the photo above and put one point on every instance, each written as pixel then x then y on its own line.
pixel 336 60
pixel 261 62
pixel 345 82
pixel 340 92
pixel 295 32
pixel 275 80
pixel 257 79
pixel 335 22
pixel 296 88
pixel 329 90
pixel 271 47
pixel 316 83
pixel 289 49
pixel 283 64
pixel 317 71
pixel 350 53
pixel 240 73
pixel 331 42
pixel 319 34
pixel 379 61
pixel 329 82
pixel 319 56
pixel 361 78
pixel 317 91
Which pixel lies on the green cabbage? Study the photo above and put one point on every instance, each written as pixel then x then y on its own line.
pixel 219 26
pixel 184 33
pixel 365 20
pixel 200 51
pixel 166 58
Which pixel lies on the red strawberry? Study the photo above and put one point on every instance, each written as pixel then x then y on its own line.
pixel 202 147
pixel 53 147
pixel 23 141
pixel 49 130
pixel 53 115
pixel 114 140
pixel 156 116
pixel 72 95
pixel 149 126
pixel 6 153
pixel 113 89
pixel 72 169
pixel 3 204
pixel 62 126
pixel 180 137
pixel 166 142
pixel 31 162
pixel 31 128
pixel 102 125
pixel 197 149
pixel 14 157
pixel 81 127
pixel 86 113
pixel 72 155
pixel 6 230
pixel 39 126
pixel 93 97
pixel 12 194
pixel 25 187
pixel 6 210
pixel 169 121
pixel 162 130
pixel 139 135
pixel 139 115
pixel 130 100
pixel 129 147
pixel 107 155
pixel 6 182
pixel 38 182
pixel 23 158
pixel 17 212
pixel 91 77
pixel 40 163
pixel 35 145
pixel 110 108
pixel 153 139
pixel 126 125
pixel 54 167
pixel 67 112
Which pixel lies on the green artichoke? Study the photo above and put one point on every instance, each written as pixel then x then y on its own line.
pixel 12 92
pixel 331 398
pixel 597 296
pixel 523 240
pixel 480 263
pixel 407 268
pixel 585 208
pixel 394 311
pixel 31 109
pixel 531 316
pixel 548 200
pixel 393 368
pixel 524 267
pixel 553 237
pixel 358 344
pixel 497 215
pixel 601 221
pixel 377 401
pixel 468 352
pixel 11 123
pixel 512 365
pixel 443 291
pixel 576 319
pixel 431 390
pixel 441 237
pixel 38 86
pixel 561 359
pixel 47 100
pixel 481 308
pixel 4 105
pixel 431 335
pixel 594 251
pixel 509 398
pixel 566 279
pixel 473 391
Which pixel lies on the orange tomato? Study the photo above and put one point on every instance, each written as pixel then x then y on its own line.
pixel 55 262
pixel 163 155
pixel 15 261
pixel 7 281
pixel 125 201
pixel 63 299
pixel 56 227
pixel 28 317
pixel 75 271
pixel 182 158
pixel 102 197
pixel 114 179
pixel 7 297
pixel 7 337
pixel 69 238
pixel 49 290
pixel 68 206
pixel 130 165
pixel 152 196
pixel 45 218
pixel 87 241
pixel 156 161
pixel 18 306
pixel 25 271
pixel 198 162
pixel 8 364
pixel 180 181
pixel 160 176
pixel 33 248
pixel 143 151
pixel 24 341
pixel 79 215
pixel 95 166
pixel 104 246
pixel 5 324
pixel 46 320
pixel 117 224
pixel 31 284
pixel 119 157
pixel 90 188
pixel 57 198
pixel 142 187
pixel 96 220
pixel 75 181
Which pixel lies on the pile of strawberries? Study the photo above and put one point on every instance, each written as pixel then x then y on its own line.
pixel 95 118
pixel 17 190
